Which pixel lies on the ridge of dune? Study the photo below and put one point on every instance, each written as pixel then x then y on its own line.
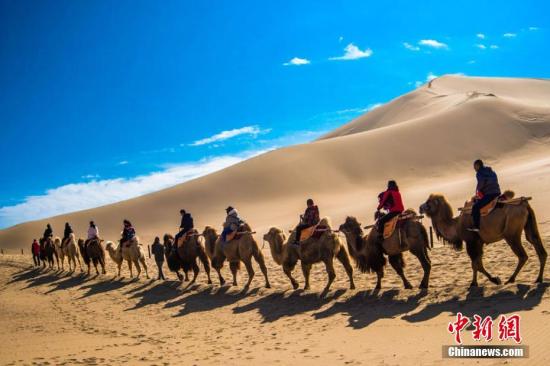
pixel 425 139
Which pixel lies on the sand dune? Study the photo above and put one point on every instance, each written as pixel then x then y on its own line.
pixel 426 140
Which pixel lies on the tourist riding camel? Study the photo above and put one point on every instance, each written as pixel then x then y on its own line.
pixel 391 201
pixel 48 233
pixel 486 191
pixel 66 233
pixel 231 224
pixel 308 219
pixel 93 232
pixel 186 224
pixel 128 233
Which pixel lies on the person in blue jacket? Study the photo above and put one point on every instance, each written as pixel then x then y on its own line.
pixel 487 190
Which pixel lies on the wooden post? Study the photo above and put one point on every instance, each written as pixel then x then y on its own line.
pixel 1 251
pixel 149 250
pixel 431 237
pixel 21 251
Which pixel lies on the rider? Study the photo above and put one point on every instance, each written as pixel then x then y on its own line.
pixel 391 201
pixel 487 190
pixel 48 232
pixel 185 225
pixel 128 233
pixel 232 222
pixel 93 231
pixel 308 219
pixel 67 232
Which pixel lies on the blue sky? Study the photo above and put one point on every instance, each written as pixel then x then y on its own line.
pixel 105 100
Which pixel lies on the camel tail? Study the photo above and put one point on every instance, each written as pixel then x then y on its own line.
pixel 373 261
pixel 531 228
pixel 204 259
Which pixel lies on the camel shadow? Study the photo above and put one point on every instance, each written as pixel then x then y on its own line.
pixel 154 295
pixel 25 275
pixel 505 301
pixel 64 284
pixel 276 305
pixel 208 299
pixel 102 287
pixel 364 308
pixel 44 278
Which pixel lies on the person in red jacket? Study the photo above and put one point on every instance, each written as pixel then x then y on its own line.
pixel 391 201
pixel 35 252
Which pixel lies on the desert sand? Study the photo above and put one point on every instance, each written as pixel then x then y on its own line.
pixel 426 140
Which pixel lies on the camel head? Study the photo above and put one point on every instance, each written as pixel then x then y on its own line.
pixel 109 245
pixel 57 241
pixel 210 234
pixel 276 238
pixel 351 226
pixel 436 205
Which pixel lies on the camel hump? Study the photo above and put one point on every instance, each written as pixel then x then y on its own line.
pixel 245 227
pixel 325 223
pixel 508 194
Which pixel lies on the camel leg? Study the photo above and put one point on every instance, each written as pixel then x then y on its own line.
pixel 287 268
pixel 119 265
pixel 379 276
pixel 519 251
pixel 144 264
pixel 79 264
pixel 475 251
pixel 234 266
pixel 536 241
pixel 306 268
pixel 130 268
pixel 95 266
pixel 102 263
pixel 204 259
pixel 138 268
pixel 424 260
pixel 259 257
pixel 344 259
pixel 396 262
pixel 329 264
pixel 250 270
pixel 195 271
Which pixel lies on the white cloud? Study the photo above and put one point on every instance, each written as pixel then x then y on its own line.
pixel 509 35
pixel 340 39
pixel 80 196
pixel 480 36
pixel 432 43
pixel 472 62
pixel 225 135
pixel 90 176
pixel 493 46
pixel 410 46
pixel 418 83
pixel 430 76
pixel 123 162
pixel 352 52
pixel 297 61
pixel 368 108
pixel 481 46
pixel 533 28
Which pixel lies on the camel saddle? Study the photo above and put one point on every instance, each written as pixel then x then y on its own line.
pixel 389 227
pixel 314 232
pixel 497 202
pixel 236 235
pixel 183 239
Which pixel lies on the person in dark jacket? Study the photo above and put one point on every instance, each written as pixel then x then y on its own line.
pixel 487 189
pixel 35 250
pixel 391 201
pixel 308 219
pixel 128 233
pixel 231 224
pixel 185 225
pixel 48 232
pixel 67 232
pixel 158 251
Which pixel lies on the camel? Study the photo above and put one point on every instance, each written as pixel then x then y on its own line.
pixel 369 256
pixel 68 249
pixel 185 256
pixel 313 250
pixel 506 221
pixel 235 251
pixel 92 252
pixel 48 252
pixel 133 253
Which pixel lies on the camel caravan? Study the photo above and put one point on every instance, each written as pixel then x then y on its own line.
pixel 487 218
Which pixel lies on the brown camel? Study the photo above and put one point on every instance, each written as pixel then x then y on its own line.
pixel 235 251
pixel 324 249
pixel 48 252
pixel 92 252
pixel 186 255
pixel 506 221
pixel 369 256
